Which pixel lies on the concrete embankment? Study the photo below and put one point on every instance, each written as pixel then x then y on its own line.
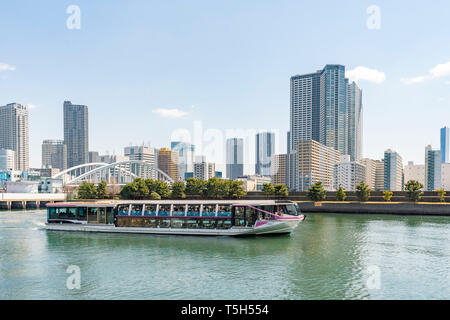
pixel 401 208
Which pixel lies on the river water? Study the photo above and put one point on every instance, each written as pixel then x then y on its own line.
pixel 327 257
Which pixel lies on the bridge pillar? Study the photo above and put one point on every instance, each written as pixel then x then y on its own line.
pixel 9 204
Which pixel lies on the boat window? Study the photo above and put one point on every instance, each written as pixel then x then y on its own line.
pixel 193 223
pixel 164 223
pixel 177 223
pixel 150 222
pixel 150 210
pixel 52 213
pixel 72 213
pixel 164 210
pixel 239 216
pixel 136 209
pixel 92 215
pixel 209 210
pixel 136 222
pixel 291 209
pixel 179 210
pixel 251 215
pixel 101 215
pixel 193 210
pixel 223 224
pixel 123 209
pixel 81 215
pixel 224 210
pixel 208 223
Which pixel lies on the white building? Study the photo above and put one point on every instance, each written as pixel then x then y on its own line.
pixel 414 172
pixel 348 174
pixel 374 173
pixel 112 158
pixel 145 154
pixel 14 133
pixel 278 169
pixel 7 160
pixel 204 170
pixel 254 182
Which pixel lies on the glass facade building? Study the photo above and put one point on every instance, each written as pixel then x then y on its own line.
pixel 445 135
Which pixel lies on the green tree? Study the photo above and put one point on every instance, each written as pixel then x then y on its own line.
pixel 215 188
pixel 158 186
pixel 413 188
pixel 363 192
pixel 441 194
pixel 387 195
pixel 195 187
pixel 136 190
pixel 268 189
pixel 280 190
pixel 178 190
pixel 87 190
pixel 154 196
pixel 340 194
pixel 316 192
pixel 234 189
pixel 102 190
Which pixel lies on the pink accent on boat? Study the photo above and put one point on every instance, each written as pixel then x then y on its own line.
pixel 277 217
pixel 260 223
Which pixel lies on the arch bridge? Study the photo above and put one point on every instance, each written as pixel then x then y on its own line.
pixel 118 173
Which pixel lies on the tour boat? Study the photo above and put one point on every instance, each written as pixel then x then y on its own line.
pixel 180 217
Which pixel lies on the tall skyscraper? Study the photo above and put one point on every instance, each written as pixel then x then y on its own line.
pixel 14 133
pixel 168 162
pixel 235 158
pixel 433 169
pixel 326 108
pixel 265 148
pixel 393 171
pixel 76 135
pixel 54 154
pixel 185 157
pixel 445 135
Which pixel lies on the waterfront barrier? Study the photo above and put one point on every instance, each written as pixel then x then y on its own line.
pixel 10 201
pixel 391 208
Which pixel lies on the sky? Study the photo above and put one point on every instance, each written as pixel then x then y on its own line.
pixel 150 70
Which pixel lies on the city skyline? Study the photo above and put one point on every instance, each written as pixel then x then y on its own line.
pixel 157 81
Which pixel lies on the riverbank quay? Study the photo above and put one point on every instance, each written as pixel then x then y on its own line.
pixel 10 201
pixel 388 208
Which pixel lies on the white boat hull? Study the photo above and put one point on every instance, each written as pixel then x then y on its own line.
pixel 270 227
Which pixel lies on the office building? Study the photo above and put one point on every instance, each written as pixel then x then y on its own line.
pixel 414 172
pixel 185 157
pixel 112 158
pixel 254 182
pixel 278 169
pixel 433 169
pixel 168 162
pixel 204 170
pixel 445 135
pixel 94 156
pixel 7 160
pixel 235 158
pixel 374 173
pixel 393 171
pixel 292 181
pixel 76 134
pixel 144 154
pixel 14 133
pixel 326 108
pixel 54 154
pixel 265 148
pixel 348 174
pixel 316 162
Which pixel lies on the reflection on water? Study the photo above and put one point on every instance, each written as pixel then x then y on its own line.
pixel 327 257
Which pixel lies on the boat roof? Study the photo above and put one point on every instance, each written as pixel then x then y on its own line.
pixel 176 202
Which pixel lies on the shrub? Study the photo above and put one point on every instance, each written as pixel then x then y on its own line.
pixel 413 189
pixel 441 194
pixel 316 192
pixel 340 194
pixel 387 195
pixel 363 192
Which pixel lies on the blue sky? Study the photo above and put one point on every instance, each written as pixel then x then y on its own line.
pixel 225 63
